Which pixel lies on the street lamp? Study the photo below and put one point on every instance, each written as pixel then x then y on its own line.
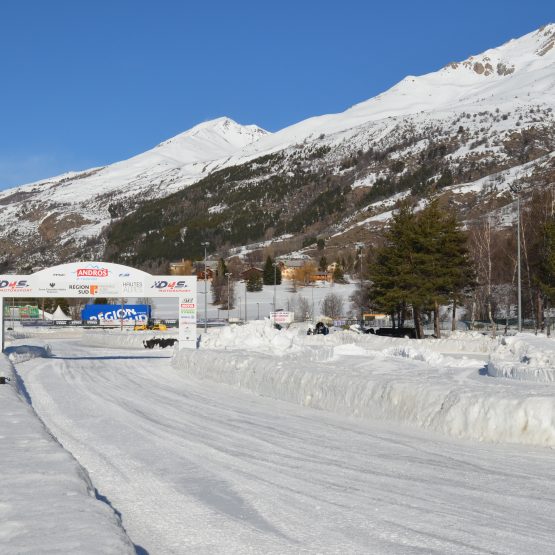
pixel 275 265
pixel 313 314
pixel 228 275
pixel 205 245
pixel 516 190
pixel 360 246
pixel 246 317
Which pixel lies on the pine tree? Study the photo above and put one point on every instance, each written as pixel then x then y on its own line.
pixel 547 262
pixel 424 263
pixel 442 259
pixel 269 272
pixel 338 276
pixel 254 283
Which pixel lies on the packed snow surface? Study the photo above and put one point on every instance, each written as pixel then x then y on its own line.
pixel 196 466
pixel 47 501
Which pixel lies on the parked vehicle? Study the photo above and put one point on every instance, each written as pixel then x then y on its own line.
pixel 150 326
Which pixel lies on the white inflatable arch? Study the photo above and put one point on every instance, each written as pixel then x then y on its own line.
pixel 103 279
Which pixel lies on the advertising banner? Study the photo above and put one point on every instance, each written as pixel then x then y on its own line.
pixel 188 320
pixel 109 314
pixel 282 317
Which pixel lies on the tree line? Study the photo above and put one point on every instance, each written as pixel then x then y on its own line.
pixel 427 261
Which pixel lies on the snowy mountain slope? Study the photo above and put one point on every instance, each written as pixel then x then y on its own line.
pixel 76 206
pixel 520 69
pixel 457 126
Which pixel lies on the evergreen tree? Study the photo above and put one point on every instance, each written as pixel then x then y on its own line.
pixel 269 272
pixel 443 259
pixel 424 263
pixel 254 283
pixel 394 282
pixel 547 262
pixel 323 264
pixel 338 276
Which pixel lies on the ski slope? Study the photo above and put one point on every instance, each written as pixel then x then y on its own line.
pixel 195 466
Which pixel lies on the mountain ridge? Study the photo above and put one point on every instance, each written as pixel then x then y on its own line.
pixel 447 128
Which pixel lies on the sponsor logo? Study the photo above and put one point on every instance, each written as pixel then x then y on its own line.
pixel 92 272
pixel 187 305
pixel 85 289
pixel 52 285
pixel 124 275
pixel 59 275
pixel 172 285
pixel 21 284
pixel 164 286
pixel 132 283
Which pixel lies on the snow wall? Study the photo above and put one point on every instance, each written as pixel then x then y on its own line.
pixel 322 373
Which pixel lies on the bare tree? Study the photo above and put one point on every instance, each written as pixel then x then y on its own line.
pixel 482 255
pixel 332 306
pixel 302 308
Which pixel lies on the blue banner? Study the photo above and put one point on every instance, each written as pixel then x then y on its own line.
pixel 108 313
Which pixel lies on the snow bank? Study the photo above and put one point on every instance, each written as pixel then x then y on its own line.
pixel 403 382
pixel 126 339
pixel 48 502
pixel 524 357
pixel 22 353
pixel 258 336
pixel 461 343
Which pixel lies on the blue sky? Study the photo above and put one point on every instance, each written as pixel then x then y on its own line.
pixel 90 82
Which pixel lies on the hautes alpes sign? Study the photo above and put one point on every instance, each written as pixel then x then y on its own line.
pixel 106 280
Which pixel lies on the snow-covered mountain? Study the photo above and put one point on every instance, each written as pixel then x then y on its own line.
pixel 466 129
pixel 74 207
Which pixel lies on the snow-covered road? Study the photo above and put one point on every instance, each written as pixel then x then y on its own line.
pixel 197 467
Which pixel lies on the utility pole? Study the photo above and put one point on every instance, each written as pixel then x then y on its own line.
pixel 246 317
pixel 518 262
pixel 313 313
pixel 516 190
pixel 228 275
pixel 360 246
pixel 205 245
pixel 275 282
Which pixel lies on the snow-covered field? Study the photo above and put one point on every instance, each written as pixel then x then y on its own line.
pixel 267 441
pixel 259 304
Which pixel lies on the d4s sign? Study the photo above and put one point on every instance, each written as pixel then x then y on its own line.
pixel 21 284
pixel 170 285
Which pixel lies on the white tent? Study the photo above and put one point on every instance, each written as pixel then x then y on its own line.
pixel 59 314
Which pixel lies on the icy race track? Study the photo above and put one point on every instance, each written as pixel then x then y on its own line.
pixel 196 466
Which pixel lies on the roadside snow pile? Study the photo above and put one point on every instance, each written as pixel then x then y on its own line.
pixel 126 339
pixel 259 336
pixel 22 353
pixel 46 494
pixel 524 357
pixel 405 383
pixel 431 356
pixel 458 342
